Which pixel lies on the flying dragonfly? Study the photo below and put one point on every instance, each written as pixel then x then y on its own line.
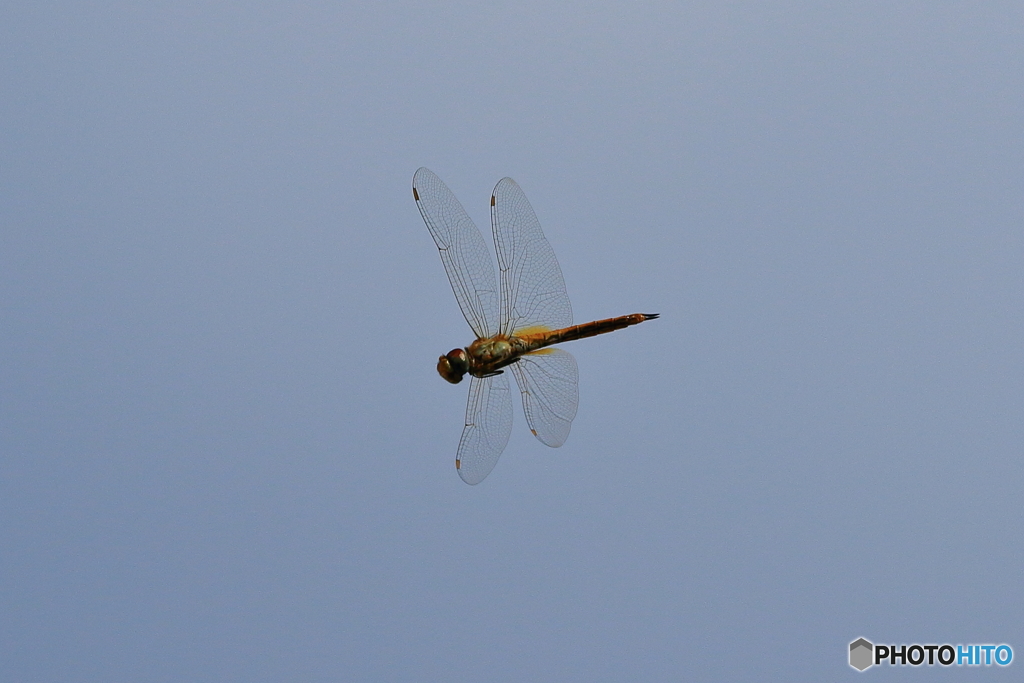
pixel 516 319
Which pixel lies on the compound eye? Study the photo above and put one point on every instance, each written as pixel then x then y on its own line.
pixel 458 359
pixel 452 369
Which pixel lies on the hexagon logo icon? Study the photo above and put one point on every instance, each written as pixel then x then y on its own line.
pixel 861 652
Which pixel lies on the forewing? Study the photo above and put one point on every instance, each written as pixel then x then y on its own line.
pixel 532 288
pixel 549 382
pixel 465 254
pixel 488 426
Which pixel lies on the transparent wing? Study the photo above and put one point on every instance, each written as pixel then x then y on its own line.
pixel 465 254
pixel 532 288
pixel 549 382
pixel 488 426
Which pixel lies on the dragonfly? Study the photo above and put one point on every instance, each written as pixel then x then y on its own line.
pixel 516 319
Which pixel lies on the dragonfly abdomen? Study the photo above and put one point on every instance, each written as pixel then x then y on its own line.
pixel 591 329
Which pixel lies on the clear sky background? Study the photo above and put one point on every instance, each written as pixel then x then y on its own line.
pixel 225 454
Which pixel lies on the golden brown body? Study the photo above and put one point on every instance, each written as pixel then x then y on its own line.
pixel 486 357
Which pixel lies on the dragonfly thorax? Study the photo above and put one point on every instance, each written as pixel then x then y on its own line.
pixel 453 365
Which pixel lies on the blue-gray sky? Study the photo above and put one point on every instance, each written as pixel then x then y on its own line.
pixel 225 454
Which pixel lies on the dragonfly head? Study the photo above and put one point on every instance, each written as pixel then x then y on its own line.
pixel 454 365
